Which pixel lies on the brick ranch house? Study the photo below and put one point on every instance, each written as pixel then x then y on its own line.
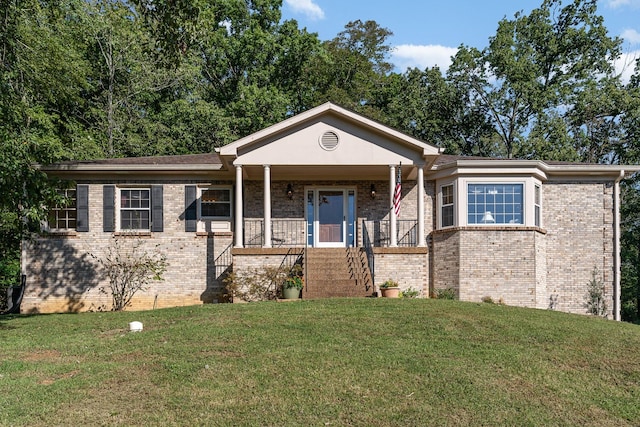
pixel 318 189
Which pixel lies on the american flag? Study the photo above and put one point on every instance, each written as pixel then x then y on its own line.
pixel 398 191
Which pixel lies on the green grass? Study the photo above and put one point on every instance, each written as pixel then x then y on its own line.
pixel 365 362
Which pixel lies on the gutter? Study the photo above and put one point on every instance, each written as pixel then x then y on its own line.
pixel 617 263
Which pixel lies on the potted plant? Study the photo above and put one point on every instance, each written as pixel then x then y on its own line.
pixel 390 289
pixel 292 286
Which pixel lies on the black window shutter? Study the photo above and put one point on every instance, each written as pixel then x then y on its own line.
pixel 82 207
pixel 190 208
pixel 108 208
pixel 156 208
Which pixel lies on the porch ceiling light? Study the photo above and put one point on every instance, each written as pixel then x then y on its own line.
pixel 290 191
pixel 373 191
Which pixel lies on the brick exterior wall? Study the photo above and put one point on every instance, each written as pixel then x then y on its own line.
pixel 500 264
pixel 546 267
pixel 63 275
pixel 578 217
pixel 407 266
pixel 543 268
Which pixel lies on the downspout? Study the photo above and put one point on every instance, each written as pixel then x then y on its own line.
pixel 616 247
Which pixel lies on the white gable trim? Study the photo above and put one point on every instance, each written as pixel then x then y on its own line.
pixel 245 144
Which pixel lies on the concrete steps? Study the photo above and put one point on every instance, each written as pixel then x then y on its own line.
pixel 337 272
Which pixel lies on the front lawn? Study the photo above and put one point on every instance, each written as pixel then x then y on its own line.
pixel 366 362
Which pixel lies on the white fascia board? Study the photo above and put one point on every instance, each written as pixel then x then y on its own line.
pixel 530 167
pixel 612 171
pixel 130 168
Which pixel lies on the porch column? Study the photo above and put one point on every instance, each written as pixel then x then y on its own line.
pixel 239 238
pixel 267 206
pixel 393 238
pixel 421 239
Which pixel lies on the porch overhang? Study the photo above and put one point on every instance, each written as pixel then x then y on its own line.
pixel 364 149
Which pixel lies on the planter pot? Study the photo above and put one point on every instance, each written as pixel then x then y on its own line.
pixel 390 292
pixel 290 293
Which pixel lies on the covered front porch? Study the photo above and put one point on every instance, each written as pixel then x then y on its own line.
pixel 329 179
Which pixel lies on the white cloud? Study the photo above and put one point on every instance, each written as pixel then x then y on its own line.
pixel 307 8
pixel 624 66
pixel 422 56
pixel 631 36
pixel 614 4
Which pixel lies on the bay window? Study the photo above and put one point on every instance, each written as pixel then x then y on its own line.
pixel 496 200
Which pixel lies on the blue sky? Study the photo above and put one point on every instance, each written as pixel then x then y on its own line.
pixel 427 33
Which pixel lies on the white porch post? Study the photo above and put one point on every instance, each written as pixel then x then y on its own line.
pixel 393 238
pixel 239 215
pixel 421 239
pixel 267 206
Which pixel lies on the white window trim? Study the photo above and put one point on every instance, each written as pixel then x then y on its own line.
pixel 537 204
pixel 118 209
pixel 441 204
pixel 495 223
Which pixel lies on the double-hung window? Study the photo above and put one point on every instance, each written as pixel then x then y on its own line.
pixel 135 208
pixel 215 203
pixel 537 203
pixel 64 217
pixel 447 206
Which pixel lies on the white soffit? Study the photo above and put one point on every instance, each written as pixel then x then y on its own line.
pixel 538 168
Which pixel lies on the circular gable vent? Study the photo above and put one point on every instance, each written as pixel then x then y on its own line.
pixel 329 140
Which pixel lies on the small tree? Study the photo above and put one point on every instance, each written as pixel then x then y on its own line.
pixel 130 268
pixel 596 303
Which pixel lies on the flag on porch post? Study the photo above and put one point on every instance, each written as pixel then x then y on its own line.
pixel 398 191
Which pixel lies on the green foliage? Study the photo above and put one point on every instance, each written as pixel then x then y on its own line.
pixel 595 299
pixel 258 284
pixel 410 293
pixel 536 65
pixel 130 268
pixel 291 282
pixel 389 283
pixel 445 293
pixel 487 299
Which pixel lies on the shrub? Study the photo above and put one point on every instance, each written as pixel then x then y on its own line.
pixel 410 293
pixel 445 293
pixel 260 284
pixel 595 301
pixel 130 268
pixel 487 299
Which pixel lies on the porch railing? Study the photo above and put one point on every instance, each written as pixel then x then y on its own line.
pixel 291 232
pixel 284 232
pixel 368 250
pixel 379 232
